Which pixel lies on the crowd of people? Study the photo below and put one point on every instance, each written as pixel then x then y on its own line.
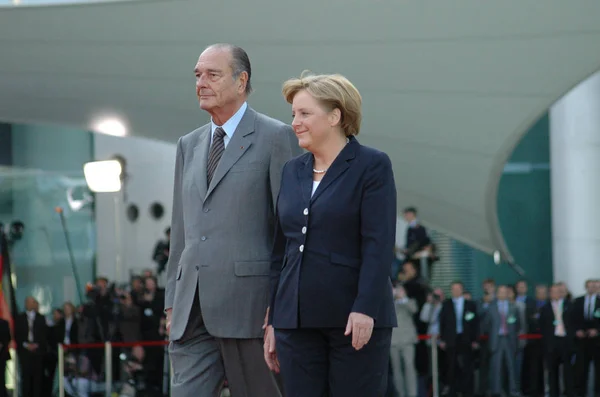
pixel 132 313
pixel 507 342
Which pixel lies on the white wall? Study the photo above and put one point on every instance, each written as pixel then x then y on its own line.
pixel 150 167
pixel 575 162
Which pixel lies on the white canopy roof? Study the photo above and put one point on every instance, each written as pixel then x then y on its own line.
pixel 449 87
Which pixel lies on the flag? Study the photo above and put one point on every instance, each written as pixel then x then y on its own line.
pixel 7 293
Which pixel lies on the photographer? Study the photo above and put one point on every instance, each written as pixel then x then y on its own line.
pixel 130 324
pixel 161 252
pixel 140 379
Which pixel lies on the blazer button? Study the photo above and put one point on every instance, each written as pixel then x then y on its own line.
pixel 306 211
pixel 304 230
pixel 206 210
pixel 203 238
pixel 197 267
pixel 301 248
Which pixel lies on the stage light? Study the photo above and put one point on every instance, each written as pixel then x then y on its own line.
pixel 110 126
pixel 103 176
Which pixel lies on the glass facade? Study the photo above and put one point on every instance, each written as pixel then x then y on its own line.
pixel 524 212
pixel 45 174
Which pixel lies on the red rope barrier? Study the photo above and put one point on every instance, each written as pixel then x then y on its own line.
pixel 116 344
pixel 164 343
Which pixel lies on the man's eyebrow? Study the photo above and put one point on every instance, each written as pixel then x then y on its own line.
pixel 196 70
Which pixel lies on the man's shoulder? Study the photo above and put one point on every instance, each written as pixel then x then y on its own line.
pixel 268 121
pixel 193 136
pixel 270 127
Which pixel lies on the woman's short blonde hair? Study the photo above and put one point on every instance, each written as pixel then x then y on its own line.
pixel 332 91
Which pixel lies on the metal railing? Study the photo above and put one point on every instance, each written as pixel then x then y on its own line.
pixel 109 346
pixel 108 360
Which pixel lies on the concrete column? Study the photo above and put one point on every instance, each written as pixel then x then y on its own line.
pixel 575 183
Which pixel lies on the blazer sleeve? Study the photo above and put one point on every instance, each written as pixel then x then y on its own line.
pixel 378 235
pixel 285 147
pixel 277 258
pixel 177 230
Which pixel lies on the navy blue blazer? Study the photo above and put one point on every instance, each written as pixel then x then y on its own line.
pixel 333 251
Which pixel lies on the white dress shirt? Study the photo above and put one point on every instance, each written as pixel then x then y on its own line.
pixel 30 323
pixel 68 325
pixel 230 125
pixel 589 307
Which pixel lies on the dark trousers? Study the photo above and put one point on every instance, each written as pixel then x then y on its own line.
pixel 322 363
pixel 460 367
pixel 587 351
pixel 532 372
pixel 3 392
pixel 50 364
pixel 559 352
pixel 32 374
pixel 484 368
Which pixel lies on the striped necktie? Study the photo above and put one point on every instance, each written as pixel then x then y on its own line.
pixel 216 151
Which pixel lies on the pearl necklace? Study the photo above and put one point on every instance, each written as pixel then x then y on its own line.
pixel 316 171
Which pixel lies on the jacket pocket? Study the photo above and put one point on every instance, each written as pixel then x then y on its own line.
pixel 343 260
pixel 179 270
pixel 252 269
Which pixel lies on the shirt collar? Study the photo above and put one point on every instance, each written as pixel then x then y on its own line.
pixel 231 125
pixel 413 223
pixel 458 300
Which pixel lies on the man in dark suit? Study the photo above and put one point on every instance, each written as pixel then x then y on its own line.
pixel 532 380
pixel 502 324
pixel 30 336
pixel 459 330
pixel 416 235
pixel 586 320
pixel 5 339
pixel 416 241
pixel 558 335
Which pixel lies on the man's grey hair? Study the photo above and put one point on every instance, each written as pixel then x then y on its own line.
pixel 239 61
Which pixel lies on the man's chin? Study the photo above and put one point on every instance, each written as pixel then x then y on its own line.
pixel 205 104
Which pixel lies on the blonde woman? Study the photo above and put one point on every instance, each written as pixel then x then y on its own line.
pixel 332 308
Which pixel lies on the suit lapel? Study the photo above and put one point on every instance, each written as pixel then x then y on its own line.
pixel 305 176
pixel 237 146
pixel 339 166
pixel 201 158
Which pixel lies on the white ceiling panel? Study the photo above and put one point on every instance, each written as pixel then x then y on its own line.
pixel 449 87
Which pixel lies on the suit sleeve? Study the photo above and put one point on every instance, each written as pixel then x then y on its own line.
pixel 476 323
pixel 284 147
pixel 577 315
pixel 177 230
pixel 277 259
pixel 378 235
pixel 443 318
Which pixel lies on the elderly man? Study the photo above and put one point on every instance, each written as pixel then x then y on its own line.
pixel 227 177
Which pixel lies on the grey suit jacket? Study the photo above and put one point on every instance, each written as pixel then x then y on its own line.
pixel 406 332
pixel 221 235
pixel 493 321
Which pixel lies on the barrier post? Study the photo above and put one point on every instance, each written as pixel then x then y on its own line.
pixel 61 370
pixel 434 366
pixel 108 368
pixel 170 378
pixel 15 374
